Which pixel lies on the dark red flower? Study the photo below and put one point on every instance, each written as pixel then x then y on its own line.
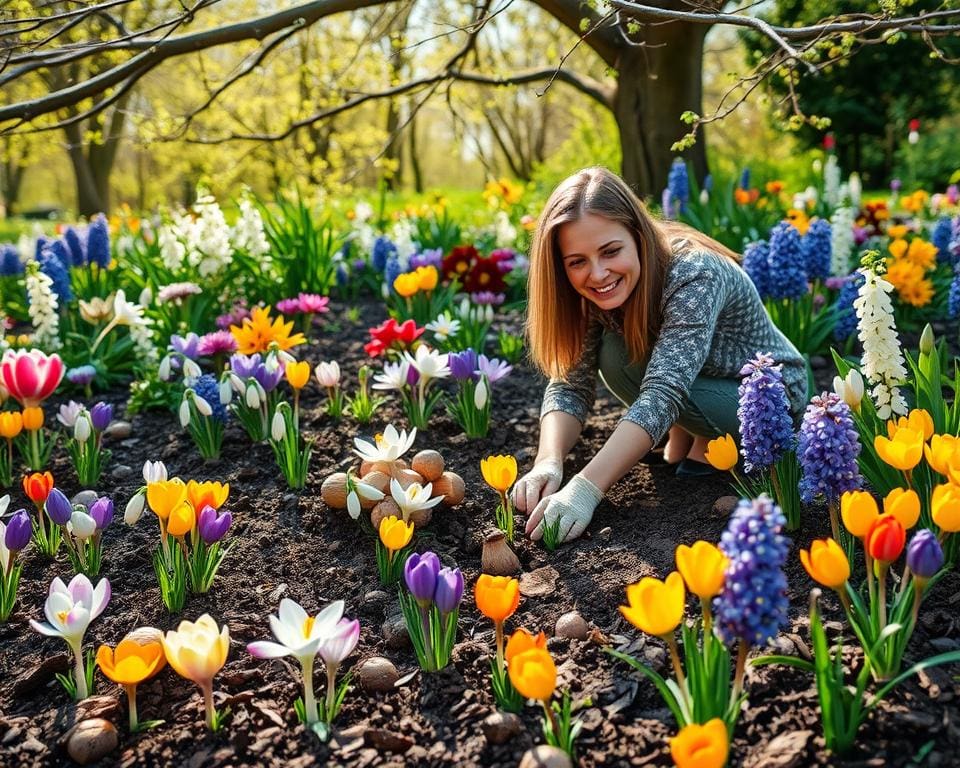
pixel 829 142
pixel 459 261
pixel 484 276
pixel 914 125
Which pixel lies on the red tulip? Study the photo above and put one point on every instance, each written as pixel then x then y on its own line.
pixel 30 376
pixel 886 539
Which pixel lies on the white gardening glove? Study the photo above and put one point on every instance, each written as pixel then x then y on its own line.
pixel 573 506
pixel 542 480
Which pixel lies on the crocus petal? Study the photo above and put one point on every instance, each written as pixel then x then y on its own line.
pixel 265 649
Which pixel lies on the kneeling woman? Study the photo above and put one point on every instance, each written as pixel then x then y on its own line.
pixel 666 316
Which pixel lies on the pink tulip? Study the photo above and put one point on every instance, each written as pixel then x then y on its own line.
pixel 31 376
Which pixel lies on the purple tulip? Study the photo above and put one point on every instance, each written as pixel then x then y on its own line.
pixel 463 364
pixel 101 511
pixel 101 415
pixel 449 589
pixel 18 531
pixel 420 574
pixel 924 554
pixel 58 507
pixel 211 526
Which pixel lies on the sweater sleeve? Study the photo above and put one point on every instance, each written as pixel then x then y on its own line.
pixel 576 393
pixel 693 297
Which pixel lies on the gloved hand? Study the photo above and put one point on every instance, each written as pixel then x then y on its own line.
pixel 542 480
pixel 573 506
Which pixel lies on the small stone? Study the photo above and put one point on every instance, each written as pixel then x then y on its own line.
pixel 604 533
pixel 118 430
pixel 387 741
pixel 144 635
pixel 725 505
pixel 395 634
pixel 545 756
pixel 41 674
pixel 374 598
pixel 90 740
pixel 944 644
pixel 783 751
pixel 573 626
pixel 500 727
pixel 376 674
pixel 538 583
pixel 121 472
pixel 86 498
pixel 98 707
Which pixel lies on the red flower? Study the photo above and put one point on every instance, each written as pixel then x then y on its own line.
pixel 829 142
pixel 388 333
pixel 407 332
pixel 914 125
pixel 458 262
pixel 886 539
pixel 485 276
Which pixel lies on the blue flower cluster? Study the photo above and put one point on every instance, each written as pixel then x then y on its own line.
pixel 817 247
pixel 827 450
pixel 766 429
pixel 941 237
pixel 846 316
pixel 745 178
pixel 756 263
pixel 10 263
pixel 54 258
pixel 98 242
pixel 752 606
pixel 788 274
pixel 206 387
pixel 679 184
pixel 392 271
pixel 383 248
pixel 953 300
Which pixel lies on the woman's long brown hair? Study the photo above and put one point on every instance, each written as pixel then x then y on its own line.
pixel 556 313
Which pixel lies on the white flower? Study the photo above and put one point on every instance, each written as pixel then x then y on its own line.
pixel 841 226
pixel 328 374
pixel 202 405
pixel 389 446
pixel 4 503
pixel 831 181
pixel 82 525
pixel 480 394
pixel 506 233
pixel 42 307
pixel 850 388
pixel 856 189
pixel 154 472
pixel 164 371
pixel 184 412
pixel 126 312
pixel 190 369
pixel 363 212
pixel 68 413
pixel 413 498
pixel 278 427
pixel 298 634
pixel 252 396
pixel 70 608
pixel 367 491
pixel 172 251
pixel 134 509
pixel 444 327
pixel 353 505
pixel 82 428
pixel 429 363
pixel 248 234
pixel 883 363
pixel 226 393
pixel 394 376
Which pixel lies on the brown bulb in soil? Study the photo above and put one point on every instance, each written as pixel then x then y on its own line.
pixel 498 559
pixel 428 463
pixel 334 490
pixel 450 486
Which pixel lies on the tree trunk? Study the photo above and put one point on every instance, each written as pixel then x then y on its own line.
pixel 415 158
pixel 89 201
pixel 656 83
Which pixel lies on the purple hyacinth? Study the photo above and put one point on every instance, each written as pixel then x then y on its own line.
pixel 766 429
pixel 845 322
pixel 827 450
pixel 212 526
pixel 463 365
pixel 392 271
pixel 58 507
pixel 101 511
pixel 420 575
pixel 101 415
pixel 756 263
pixel 941 236
pixel 817 246
pixel 19 528
pixel 449 591
pixel 208 388
pixel 753 604
pixel 81 375
pixel 382 250
pixel 788 274
pixel 953 299
pixel 924 554
pixel 745 178
pixel 98 241
pixel 431 257
pixel 77 246
pixel 668 208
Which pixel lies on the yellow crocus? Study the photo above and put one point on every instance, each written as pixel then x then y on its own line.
pixel 298 374
pixel 897 232
pixel 826 563
pixel 11 424
pixel 859 512
pixel 427 278
pixel 655 607
pixel 406 284
pixel 945 507
pixel 703 567
pixel 395 533
pixel 533 674
pixel 903 451
pixel 722 453
pixel 129 665
pixel 499 472
pixel 940 451
pixel 917 420
pixel 33 418
pixel 166 495
pixel 903 504
pixel 197 651
pixel 207 494
pixel 701 746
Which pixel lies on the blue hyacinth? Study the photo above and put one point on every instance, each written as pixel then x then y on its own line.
pixel 708 182
pixel 827 450
pixel 846 317
pixel 10 263
pixel 53 260
pixel 752 606
pixel 341 275
pixel 953 301
pixel 756 263
pixel 383 248
pixel 817 247
pixel 392 271
pixel 98 241
pixel 941 237
pixel 745 178
pixel 766 429
pixel 206 387
pixel 76 246
pixel 788 274
pixel 679 184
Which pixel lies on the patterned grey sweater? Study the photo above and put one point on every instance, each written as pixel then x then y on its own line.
pixel 713 322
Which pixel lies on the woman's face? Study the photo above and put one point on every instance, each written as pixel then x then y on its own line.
pixel 600 259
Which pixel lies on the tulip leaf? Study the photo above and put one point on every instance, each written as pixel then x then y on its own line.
pixel 662 686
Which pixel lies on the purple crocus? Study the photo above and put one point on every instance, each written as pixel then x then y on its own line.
pixel 924 554
pixel 82 375
pixel 17 534
pixel 101 415
pixel 58 507
pixel 449 590
pixel 185 345
pixel 420 574
pixel 413 376
pixel 827 450
pixel 213 527
pixel 463 364
pixel 101 511
pixel 216 343
pixel 494 369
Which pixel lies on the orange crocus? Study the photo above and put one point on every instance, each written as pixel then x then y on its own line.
pixel 129 665
pixel 521 641
pixel 207 493
pixel 497 596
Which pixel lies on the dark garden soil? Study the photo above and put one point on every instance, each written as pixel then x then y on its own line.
pixel 292 545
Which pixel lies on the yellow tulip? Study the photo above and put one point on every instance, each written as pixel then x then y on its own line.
pixel 499 472
pixel 197 651
pixel 33 418
pixel 941 449
pixel 945 507
pixel 722 453
pixel 207 494
pixel 298 374
pixel 166 495
pixel 903 451
pixel 918 420
pixel 395 533
pixel 903 504
pixel 826 563
pixel 427 278
pixel 11 424
pixel 533 674
pixel 406 284
pixel 859 512
pixel 703 567
pixel 181 520
pixel 953 468
pixel 701 746
pixel 655 607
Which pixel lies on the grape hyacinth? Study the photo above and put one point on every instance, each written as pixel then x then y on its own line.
pixel 756 263
pixel 766 429
pixel 817 246
pixel 941 236
pixel 827 450
pixel 207 387
pixel 752 606
pixel 98 242
pixel 10 263
pixel 953 301
pixel 788 277
pixel 53 265
pixel 382 249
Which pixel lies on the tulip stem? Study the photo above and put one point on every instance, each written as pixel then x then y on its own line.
pixel 671 642
pixel 742 650
pixel 207 689
pixel 309 699
pixel 80 673
pixel 882 593
pixel 868 561
pixel 132 706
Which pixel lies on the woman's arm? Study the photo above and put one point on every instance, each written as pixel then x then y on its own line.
pixel 624 448
pixel 558 434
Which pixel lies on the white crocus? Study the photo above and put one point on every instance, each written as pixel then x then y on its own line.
pixel 68 413
pixel 413 498
pixel 328 374
pixel 126 312
pixel 429 363
pixel 82 428
pixel 388 446
pixel 444 327
pixel 134 509
pixel 69 610
pixel 394 376
pixel 4 503
pixel 480 394
pixel 82 525
pixel 154 472
pixel 300 635
pixel 165 369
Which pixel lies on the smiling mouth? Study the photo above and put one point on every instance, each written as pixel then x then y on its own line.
pixel 607 289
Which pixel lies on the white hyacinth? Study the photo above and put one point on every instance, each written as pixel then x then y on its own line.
pixel 402 236
pixel 248 234
pixel 841 224
pixel 506 233
pixel 831 181
pixel 43 307
pixel 883 363
pixel 172 250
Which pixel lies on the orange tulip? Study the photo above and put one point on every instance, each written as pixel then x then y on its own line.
pixel 37 486
pixel 533 674
pixel 497 596
pixel 11 424
pixel 521 641
pixel 33 418
pixel 826 563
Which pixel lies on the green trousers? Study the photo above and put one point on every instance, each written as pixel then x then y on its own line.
pixel 711 407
